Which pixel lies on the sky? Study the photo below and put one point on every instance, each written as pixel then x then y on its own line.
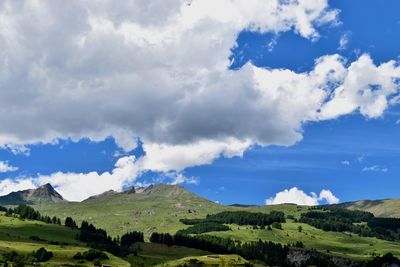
pixel 246 101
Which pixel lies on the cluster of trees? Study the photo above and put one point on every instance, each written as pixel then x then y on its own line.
pixel 268 252
pixel 204 228
pixel 386 223
pixel 99 239
pixel 343 220
pixel 27 212
pixel 385 260
pixel 91 255
pixel 130 238
pixel 240 218
pixel 69 222
pixel 40 255
pixel 162 238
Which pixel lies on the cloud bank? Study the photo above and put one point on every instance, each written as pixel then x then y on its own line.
pixel 297 196
pixel 159 71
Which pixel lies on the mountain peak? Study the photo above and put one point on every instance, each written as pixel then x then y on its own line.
pixel 42 194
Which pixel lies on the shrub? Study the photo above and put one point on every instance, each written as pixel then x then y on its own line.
pixel 42 255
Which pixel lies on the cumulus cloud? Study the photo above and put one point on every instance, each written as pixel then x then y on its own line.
pixel 297 196
pixel 129 70
pixel 5 167
pixel 345 162
pixel 159 71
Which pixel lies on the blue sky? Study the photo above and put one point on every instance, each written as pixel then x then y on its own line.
pixel 353 155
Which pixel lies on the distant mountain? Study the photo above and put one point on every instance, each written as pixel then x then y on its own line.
pixel 41 195
pixel 380 208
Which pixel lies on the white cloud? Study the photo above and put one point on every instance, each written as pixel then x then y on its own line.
pixel 158 71
pixel 344 41
pixel 375 168
pixel 79 186
pixel 5 167
pixel 165 158
pixel 297 196
pixel 7 185
pixel 328 196
pixel 179 178
pixel 345 162
pixel 360 158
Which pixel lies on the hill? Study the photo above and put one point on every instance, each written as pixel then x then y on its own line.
pixel 159 208
pixel 380 208
pixel 43 194
pixel 25 236
pixel 156 208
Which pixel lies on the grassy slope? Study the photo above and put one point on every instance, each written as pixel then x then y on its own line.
pixel 15 233
pixel 151 254
pixel 380 208
pixel 340 244
pixel 160 210
pixel 208 260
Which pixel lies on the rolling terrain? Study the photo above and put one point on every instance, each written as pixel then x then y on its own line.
pixel 160 208
pixel 25 236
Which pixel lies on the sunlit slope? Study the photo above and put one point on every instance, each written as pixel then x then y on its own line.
pixel 158 208
pixel 17 235
pixel 380 208
pixel 346 245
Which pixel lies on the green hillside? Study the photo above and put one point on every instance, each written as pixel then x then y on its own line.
pixel 380 208
pixel 157 209
pixel 25 236
pixel 160 208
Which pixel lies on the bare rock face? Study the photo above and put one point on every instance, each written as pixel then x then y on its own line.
pixel 140 190
pixel 130 190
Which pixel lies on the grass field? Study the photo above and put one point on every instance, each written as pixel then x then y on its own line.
pixel 339 244
pixel 208 260
pixel 15 235
pixel 152 254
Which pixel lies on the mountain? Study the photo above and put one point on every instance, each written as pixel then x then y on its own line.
pixel 380 208
pixel 43 194
pixel 158 208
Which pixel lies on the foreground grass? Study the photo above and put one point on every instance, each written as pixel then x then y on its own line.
pixel 152 254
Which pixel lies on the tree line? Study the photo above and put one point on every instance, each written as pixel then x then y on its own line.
pixel 204 228
pixel 28 213
pixel 240 218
